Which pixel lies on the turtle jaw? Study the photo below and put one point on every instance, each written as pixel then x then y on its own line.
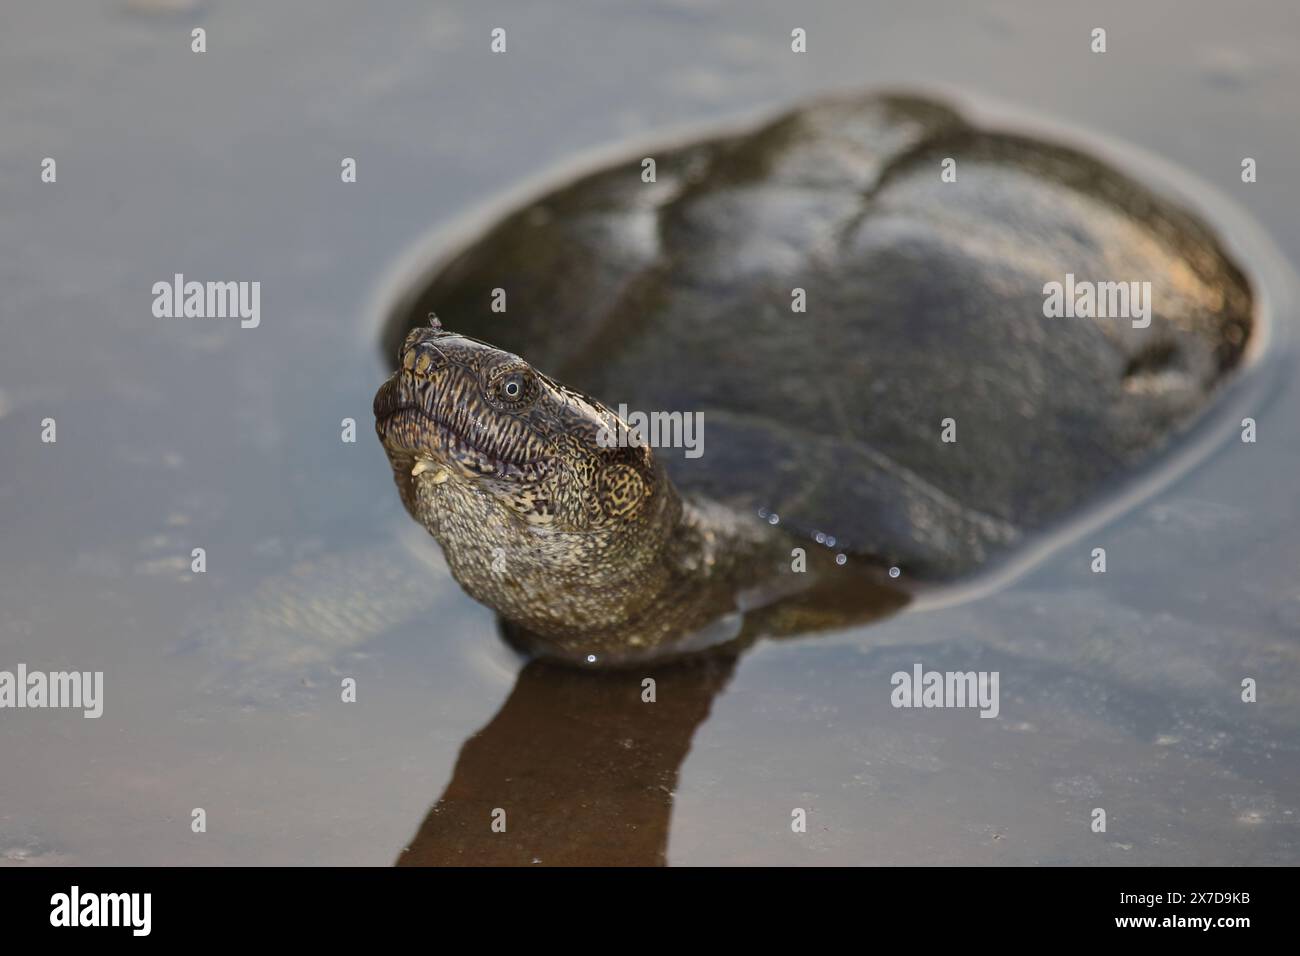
pixel 421 435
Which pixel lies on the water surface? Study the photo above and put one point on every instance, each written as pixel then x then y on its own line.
pixel 222 689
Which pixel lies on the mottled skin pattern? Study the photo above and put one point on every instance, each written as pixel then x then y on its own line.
pixel 586 545
pixel 924 302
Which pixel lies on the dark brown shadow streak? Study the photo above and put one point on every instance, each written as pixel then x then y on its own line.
pixel 583 766
pixel 584 769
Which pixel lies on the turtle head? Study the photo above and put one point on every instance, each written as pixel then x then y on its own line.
pixel 522 481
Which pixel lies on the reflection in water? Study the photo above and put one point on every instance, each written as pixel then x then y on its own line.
pixel 585 765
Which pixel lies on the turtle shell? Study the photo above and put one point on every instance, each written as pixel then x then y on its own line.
pixel 923 407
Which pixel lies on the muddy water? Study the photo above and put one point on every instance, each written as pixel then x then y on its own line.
pixel 222 689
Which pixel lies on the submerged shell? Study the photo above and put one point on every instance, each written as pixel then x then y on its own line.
pixel 924 302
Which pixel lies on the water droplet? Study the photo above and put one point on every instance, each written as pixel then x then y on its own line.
pixel 773 519
pixel 819 538
pixel 894 572
pixel 591 658
pixel 840 559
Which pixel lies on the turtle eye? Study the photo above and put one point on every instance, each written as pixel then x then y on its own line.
pixel 513 387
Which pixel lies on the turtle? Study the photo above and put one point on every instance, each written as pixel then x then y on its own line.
pixel 859 303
